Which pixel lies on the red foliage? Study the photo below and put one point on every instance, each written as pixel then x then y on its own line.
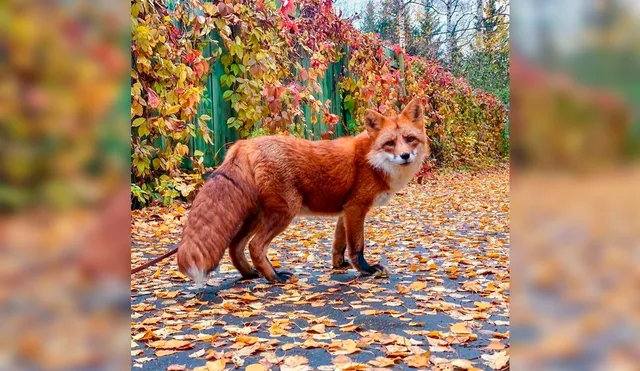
pixel 397 50
pixel 152 98
pixel 288 7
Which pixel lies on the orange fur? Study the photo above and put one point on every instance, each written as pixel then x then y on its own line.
pixel 266 181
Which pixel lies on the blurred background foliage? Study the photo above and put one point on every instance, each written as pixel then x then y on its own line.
pixel 574 183
pixel 64 184
pixel 575 67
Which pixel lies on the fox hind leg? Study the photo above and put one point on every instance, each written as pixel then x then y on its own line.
pixel 237 247
pixel 272 225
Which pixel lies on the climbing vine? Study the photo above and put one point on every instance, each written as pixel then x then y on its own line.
pixel 166 87
pixel 274 58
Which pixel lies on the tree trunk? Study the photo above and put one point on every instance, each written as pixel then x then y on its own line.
pixel 401 25
pixel 451 40
pixel 479 16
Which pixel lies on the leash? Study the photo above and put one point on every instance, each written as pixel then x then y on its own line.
pixel 154 261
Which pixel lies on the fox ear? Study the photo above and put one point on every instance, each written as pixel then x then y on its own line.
pixel 414 112
pixel 373 121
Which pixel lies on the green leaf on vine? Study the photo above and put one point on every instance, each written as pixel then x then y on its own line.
pixel 137 122
pixel 143 129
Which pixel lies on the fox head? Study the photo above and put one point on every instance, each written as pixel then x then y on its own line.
pixel 399 143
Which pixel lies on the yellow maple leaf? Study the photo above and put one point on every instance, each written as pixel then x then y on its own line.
pixel 460 328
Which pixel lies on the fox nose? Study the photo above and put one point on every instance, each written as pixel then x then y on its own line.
pixel 405 156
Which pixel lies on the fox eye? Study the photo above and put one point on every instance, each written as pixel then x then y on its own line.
pixel 390 143
pixel 410 139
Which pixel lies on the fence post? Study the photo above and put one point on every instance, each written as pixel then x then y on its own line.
pixel 220 109
pixel 346 115
pixel 401 68
pixel 306 109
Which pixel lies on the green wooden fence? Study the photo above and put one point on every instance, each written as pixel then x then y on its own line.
pixel 220 110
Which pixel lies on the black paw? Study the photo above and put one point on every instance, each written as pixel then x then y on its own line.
pixel 344 265
pixel 282 277
pixel 374 269
pixel 252 276
pixel 379 267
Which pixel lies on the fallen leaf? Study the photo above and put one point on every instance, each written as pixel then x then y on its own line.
pixel 382 362
pixel 495 345
pixel 151 320
pixel 318 328
pixel 460 328
pixel 497 361
pixel 288 346
pixel 293 363
pixel 482 305
pixel 142 307
pixel 246 339
pixel 462 363
pixel 197 354
pixel 171 344
pixel 341 360
pixel 255 367
pixel 310 343
pixel 418 285
pixel 218 365
pixel 248 297
pixel 164 352
pixel 418 360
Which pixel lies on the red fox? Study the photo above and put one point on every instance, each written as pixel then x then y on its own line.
pixel 265 182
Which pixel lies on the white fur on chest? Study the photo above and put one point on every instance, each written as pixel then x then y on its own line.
pixel 382 199
pixel 396 184
pixel 399 177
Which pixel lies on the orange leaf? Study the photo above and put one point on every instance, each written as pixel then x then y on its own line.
pixel 171 344
pixel 418 360
pixel 218 365
pixel 460 328
pixel 418 285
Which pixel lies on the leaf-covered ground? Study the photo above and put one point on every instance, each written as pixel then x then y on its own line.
pixel 445 305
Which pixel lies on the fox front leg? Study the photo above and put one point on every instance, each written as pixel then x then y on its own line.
pixel 354 228
pixel 340 245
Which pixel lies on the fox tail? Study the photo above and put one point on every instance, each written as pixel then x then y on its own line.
pixel 228 197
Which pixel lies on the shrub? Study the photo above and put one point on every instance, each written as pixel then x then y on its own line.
pixel 274 59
